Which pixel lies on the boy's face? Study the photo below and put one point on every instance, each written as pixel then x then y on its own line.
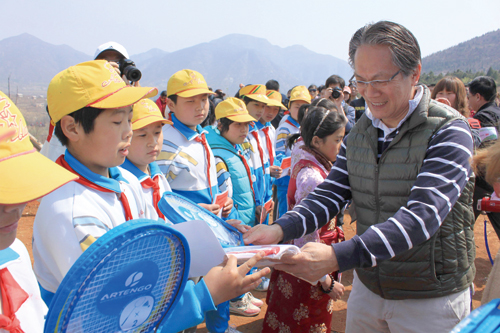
pixel 236 133
pixel 9 217
pixel 107 145
pixel 191 111
pixel 294 108
pixel 256 109
pixel 270 112
pixel 146 145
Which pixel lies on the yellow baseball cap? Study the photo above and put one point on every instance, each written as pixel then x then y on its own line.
pixel 275 99
pixel 256 92
pixel 187 83
pixel 146 112
pixel 26 174
pixel 234 109
pixel 299 93
pixel 93 83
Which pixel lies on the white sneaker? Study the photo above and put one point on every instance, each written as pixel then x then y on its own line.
pixel 264 285
pixel 232 329
pixel 255 301
pixel 244 307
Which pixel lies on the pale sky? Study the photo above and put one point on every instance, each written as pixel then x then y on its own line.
pixel 322 26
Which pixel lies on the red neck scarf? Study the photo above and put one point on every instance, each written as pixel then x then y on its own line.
pixel 269 145
pixel 247 168
pixel 13 296
pixel 201 138
pixel 83 181
pixel 155 184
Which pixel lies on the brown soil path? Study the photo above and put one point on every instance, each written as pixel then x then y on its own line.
pixel 254 324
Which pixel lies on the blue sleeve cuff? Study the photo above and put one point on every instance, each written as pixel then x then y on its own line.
pixel 203 294
pixel 347 254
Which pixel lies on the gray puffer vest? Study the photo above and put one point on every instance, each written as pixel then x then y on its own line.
pixel 442 265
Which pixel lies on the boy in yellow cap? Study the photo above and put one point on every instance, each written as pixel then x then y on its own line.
pixel 235 175
pixel 289 125
pixel 255 99
pixel 267 133
pixel 26 176
pixel 147 140
pixel 186 159
pixel 92 108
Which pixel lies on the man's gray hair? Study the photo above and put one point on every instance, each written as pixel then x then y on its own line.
pixel 401 42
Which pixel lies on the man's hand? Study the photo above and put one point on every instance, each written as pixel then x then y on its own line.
pixel 313 262
pixel 228 281
pixel 275 171
pixel 263 234
pixel 214 208
pixel 238 225
pixel 228 205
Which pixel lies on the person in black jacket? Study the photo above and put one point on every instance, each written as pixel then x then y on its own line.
pixel 482 94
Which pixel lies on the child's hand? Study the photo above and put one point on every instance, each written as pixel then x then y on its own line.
pixel 228 281
pixel 337 292
pixel 258 211
pixel 238 225
pixel 214 208
pixel 227 207
pixel 275 171
pixel 338 288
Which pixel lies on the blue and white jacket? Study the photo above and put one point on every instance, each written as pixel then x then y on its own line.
pixel 184 163
pixel 233 176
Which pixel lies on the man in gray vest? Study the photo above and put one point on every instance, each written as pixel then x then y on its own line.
pixel 405 165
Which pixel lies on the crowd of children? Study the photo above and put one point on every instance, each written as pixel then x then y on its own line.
pixel 121 155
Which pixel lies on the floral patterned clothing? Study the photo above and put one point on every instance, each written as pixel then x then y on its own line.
pixel 293 304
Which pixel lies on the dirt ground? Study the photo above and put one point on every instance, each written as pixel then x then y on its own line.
pixel 254 324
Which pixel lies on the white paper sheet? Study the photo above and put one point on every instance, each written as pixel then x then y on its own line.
pixel 206 252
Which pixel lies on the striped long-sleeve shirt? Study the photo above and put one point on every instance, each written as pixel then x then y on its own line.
pixel 443 175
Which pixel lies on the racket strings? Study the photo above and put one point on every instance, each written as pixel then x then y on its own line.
pixel 164 249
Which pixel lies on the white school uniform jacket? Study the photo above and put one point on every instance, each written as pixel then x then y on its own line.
pixel 141 176
pixel 31 314
pixel 286 128
pixel 72 217
pixel 251 149
pixel 184 162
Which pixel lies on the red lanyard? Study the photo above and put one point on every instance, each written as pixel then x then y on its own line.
pixel 13 296
pixel 155 184
pixel 248 172
pixel 85 182
pixel 203 141
pixel 256 136
pixel 269 145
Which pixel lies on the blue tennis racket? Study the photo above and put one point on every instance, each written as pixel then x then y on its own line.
pixel 126 281
pixel 179 209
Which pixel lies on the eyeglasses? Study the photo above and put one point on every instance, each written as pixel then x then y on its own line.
pixel 313 90
pixel 376 84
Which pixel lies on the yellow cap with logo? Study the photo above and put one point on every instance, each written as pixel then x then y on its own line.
pixel 299 93
pixel 257 92
pixel 187 83
pixel 146 112
pixel 91 84
pixel 26 174
pixel 234 109
pixel 275 99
